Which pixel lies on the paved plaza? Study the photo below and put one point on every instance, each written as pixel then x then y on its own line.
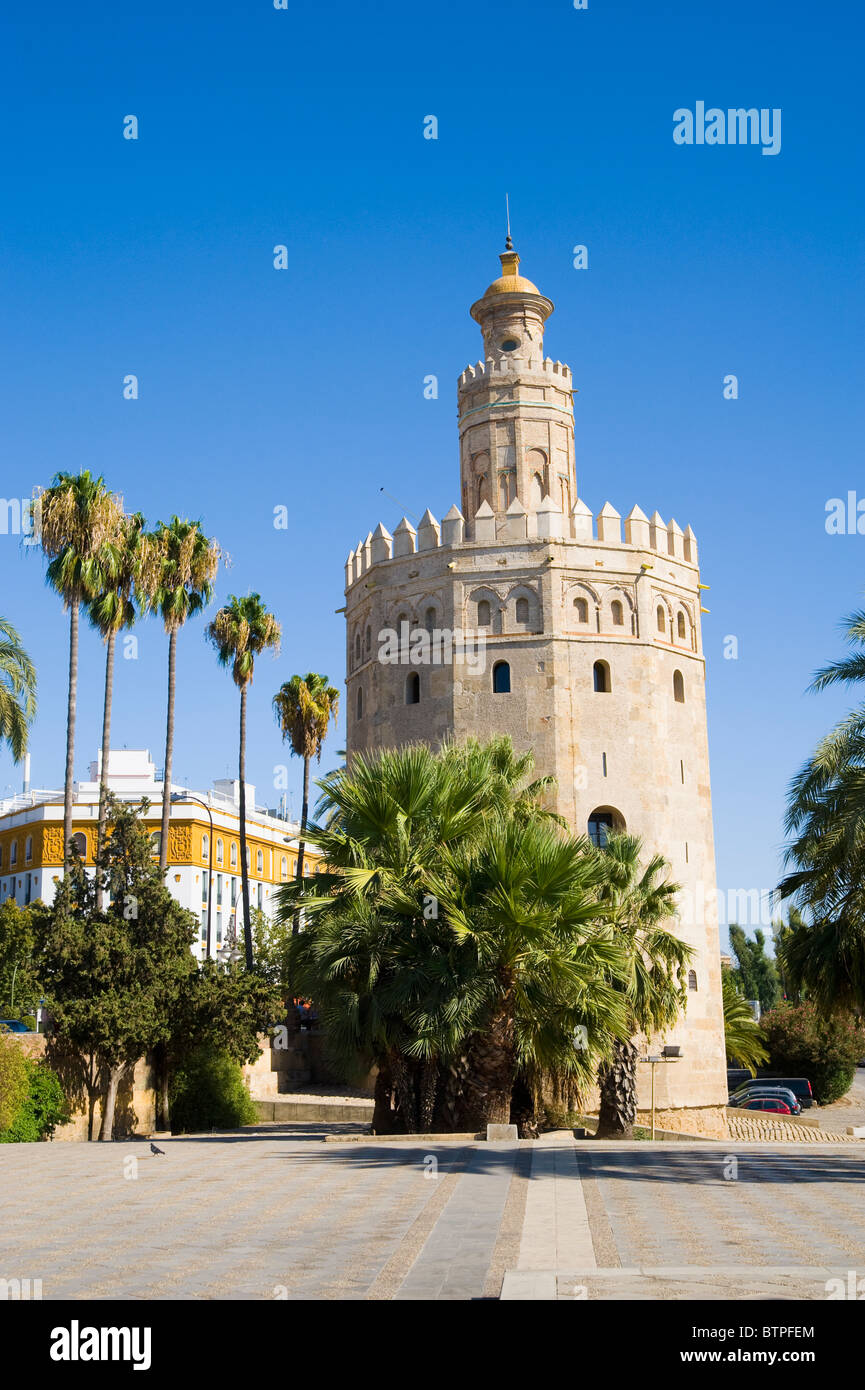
pixel 278 1213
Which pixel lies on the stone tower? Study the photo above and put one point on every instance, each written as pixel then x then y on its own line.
pixel 525 614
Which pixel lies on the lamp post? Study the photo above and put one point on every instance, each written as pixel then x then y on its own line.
pixel 671 1054
pixel 187 796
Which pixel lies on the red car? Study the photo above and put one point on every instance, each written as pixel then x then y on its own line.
pixel 777 1106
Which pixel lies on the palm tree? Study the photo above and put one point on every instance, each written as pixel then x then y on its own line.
pixel 742 1037
pixel 240 630
pixel 17 691
pixel 638 901
pixel 825 955
pixel 80 526
pixel 453 940
pixel 111 610
pixel 304 707
pixel 176 571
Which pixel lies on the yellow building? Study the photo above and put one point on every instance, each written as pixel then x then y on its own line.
pixel 203 847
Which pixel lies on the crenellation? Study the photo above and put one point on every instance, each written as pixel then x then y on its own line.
pixel 453 527
pixel 381 545
pixel 428 532
pixel 609 525
pixel 675 540
pixel 637 528
pixel 658 533
pixel 583 521
pixel 404 538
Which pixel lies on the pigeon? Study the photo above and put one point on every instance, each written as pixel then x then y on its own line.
pixel 154 1150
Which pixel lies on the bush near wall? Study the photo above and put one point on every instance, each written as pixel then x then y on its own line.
pixel 41 1107
pixel 824 1048
pixel 207 1092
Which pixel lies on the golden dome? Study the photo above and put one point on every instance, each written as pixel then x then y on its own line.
pixel 510 282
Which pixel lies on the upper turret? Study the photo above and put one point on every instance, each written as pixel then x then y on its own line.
pixel 516 406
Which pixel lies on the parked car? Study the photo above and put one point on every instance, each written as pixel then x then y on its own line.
pixel 799 1085
pixel 758 1090
pixel 774 1104
pixel 736 1077
pixel 14 1025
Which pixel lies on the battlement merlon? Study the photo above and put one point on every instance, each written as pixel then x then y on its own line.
pixel 546 523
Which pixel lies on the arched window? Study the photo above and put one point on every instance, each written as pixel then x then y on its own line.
pixel 618 613
pixel 582 608
pixel 259 862
pixel 368 639
pixel 600 825
pixel 430 619
pixel 483 489
pixel 507 489
pixel 484 615
pixel 283 868
pixel 680 625
pixel 522 610
pixel 360 702
pixel 601 677
pixel 220 851
pixel 501 678
pixel 13 849
pixel 28 849
pixel 537 490
pixel 1 856
pixel 692 979
pixel 678 687
pixel 412 688
pixel 233 854
pixel 357 646
pixel 662 621
pixel 205 847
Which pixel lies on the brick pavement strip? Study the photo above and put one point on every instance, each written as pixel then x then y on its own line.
pixel 270 1216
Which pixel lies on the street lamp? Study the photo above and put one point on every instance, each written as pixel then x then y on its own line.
pixel 228 953
pixel 671 1054
pixel 187 796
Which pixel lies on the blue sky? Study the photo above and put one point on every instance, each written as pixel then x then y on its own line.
pixel 305 388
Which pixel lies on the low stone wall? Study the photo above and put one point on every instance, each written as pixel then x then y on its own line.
pixel 135 1112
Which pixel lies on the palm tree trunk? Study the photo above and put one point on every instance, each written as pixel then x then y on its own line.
pixel 493 1068
pixel 103 772
pixel 70 730
pixel 169 752
pixel 244 868
pixel 304 814
pixel 617 1081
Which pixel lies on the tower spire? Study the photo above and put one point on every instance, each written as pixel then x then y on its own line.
pixel 509 245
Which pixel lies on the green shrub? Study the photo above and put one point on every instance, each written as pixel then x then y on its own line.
pixel 14 1079
pixel 42 1109
pixel 824 1048
pixel 207 1092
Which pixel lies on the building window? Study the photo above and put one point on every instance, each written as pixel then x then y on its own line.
pixel 204 928
pixel 13 853
pixel 692 979
pixel 604 763
pixel 600 825
pixel 680 625
pixel 234 892
pixel 79 845
pixel 260 896
pixel 219 890
pixel 29 893
pixel 205 847
pixel 484 615
pixel 501 678
pixel 1 856
pixel 283 868
pixel 412 689
pixel 430 619
pixel 368 639
pixel 155 843
pixel 219 928
pixel 618 614
pixel 259 863
pixel 682 769
pixel 233 855
pixel 662 621
pixel 204 881
pixel 582 608
pixel 678 687
pixel 219 852
pixel 357 646
pixel 360 702
pixel 522 610
pixel 601 677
